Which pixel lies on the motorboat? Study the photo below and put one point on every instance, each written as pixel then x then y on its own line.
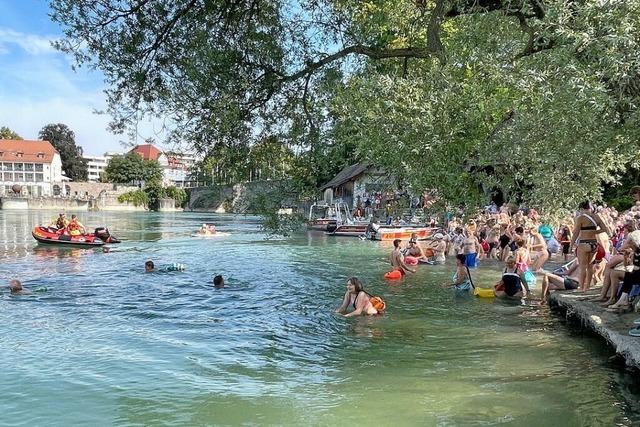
pixel 401 232
pixel 322 217
pixel 55 236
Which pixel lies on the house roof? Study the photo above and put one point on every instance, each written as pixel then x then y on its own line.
pixel 346 174
pixel 14 150
pixel 147 151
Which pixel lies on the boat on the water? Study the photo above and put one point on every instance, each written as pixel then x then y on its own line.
pixel 323 217
pixel 54 236
pixel 402 233
pixel 356 229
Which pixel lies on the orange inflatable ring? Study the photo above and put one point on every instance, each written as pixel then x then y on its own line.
pixel 410 260
pixel 393 275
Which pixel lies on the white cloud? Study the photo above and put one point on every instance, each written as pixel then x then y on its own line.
pixel 31 43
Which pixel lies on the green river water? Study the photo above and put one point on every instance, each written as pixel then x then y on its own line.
pixel 107 344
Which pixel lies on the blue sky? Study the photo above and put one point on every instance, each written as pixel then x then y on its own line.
pixel 38 86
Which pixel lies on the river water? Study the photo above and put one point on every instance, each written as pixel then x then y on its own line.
pixel 107 344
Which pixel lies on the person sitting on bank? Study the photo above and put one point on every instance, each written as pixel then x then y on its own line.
pixel 397 259
pixel 218 282
pixel 631 276
pixel 357 298
pixel 75 227
pixel 567 282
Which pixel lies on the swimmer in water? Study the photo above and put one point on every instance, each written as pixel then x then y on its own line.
pixel 16 287
pixel 218 282
pixel 149 267
pixel 358 298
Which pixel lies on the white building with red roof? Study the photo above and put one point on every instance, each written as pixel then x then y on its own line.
pixel 175 166
pixel 34 166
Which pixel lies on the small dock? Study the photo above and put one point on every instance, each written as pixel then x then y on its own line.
pixel 613 327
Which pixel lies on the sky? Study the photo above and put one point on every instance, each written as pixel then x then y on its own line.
pixel 38 85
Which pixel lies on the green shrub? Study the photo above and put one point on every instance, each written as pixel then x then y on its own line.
pixel 178 195
pixel 137 197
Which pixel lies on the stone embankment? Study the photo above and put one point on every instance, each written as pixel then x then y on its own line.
pixel 82 196
pixel 613 327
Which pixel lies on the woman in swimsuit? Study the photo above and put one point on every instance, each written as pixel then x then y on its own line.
pixel 586 225
pixel 512 284
pixel 505 238
pixel 357 298
pixel 461 282
pixel 631 276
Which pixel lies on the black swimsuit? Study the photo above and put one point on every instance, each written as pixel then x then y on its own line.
pixel 593 243
pixel 512 282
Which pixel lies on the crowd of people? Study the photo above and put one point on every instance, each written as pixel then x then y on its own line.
pixel 599 246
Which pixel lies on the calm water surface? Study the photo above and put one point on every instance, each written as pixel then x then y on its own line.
pixel 107 344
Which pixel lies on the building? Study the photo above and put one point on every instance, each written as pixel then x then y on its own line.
pixel 33 166
pixel 176 167
pixel 96 166
pixel 358 181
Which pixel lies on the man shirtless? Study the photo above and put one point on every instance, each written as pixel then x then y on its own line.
pixel 471 248
pixel 397 259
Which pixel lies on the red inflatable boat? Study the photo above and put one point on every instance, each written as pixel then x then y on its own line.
pixel 53 236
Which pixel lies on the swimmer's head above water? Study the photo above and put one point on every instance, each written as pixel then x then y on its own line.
pixel 15 285
pixel 218 282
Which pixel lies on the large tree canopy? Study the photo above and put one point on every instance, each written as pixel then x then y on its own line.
pixel 63 140
pixel 130 168
pixel 6 133
pixel 535 98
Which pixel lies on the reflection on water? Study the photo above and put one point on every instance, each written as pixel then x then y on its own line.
pixel 109 344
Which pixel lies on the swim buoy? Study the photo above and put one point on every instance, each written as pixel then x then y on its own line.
pixel 392 275
pixel 410 260
pixel 484 292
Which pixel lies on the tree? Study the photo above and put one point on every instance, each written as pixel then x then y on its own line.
pixel 537 100
pixel 6 133
pixel 63 140
pixel 130 168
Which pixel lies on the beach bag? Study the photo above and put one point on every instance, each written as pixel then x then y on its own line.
pixel 378 303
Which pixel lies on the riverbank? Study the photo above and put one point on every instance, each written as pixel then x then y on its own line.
pixel 612 327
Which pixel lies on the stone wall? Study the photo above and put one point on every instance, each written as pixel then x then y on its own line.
pixel 44 203
pixel 88 190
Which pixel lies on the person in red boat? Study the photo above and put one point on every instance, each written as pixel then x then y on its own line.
pixel 75 227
